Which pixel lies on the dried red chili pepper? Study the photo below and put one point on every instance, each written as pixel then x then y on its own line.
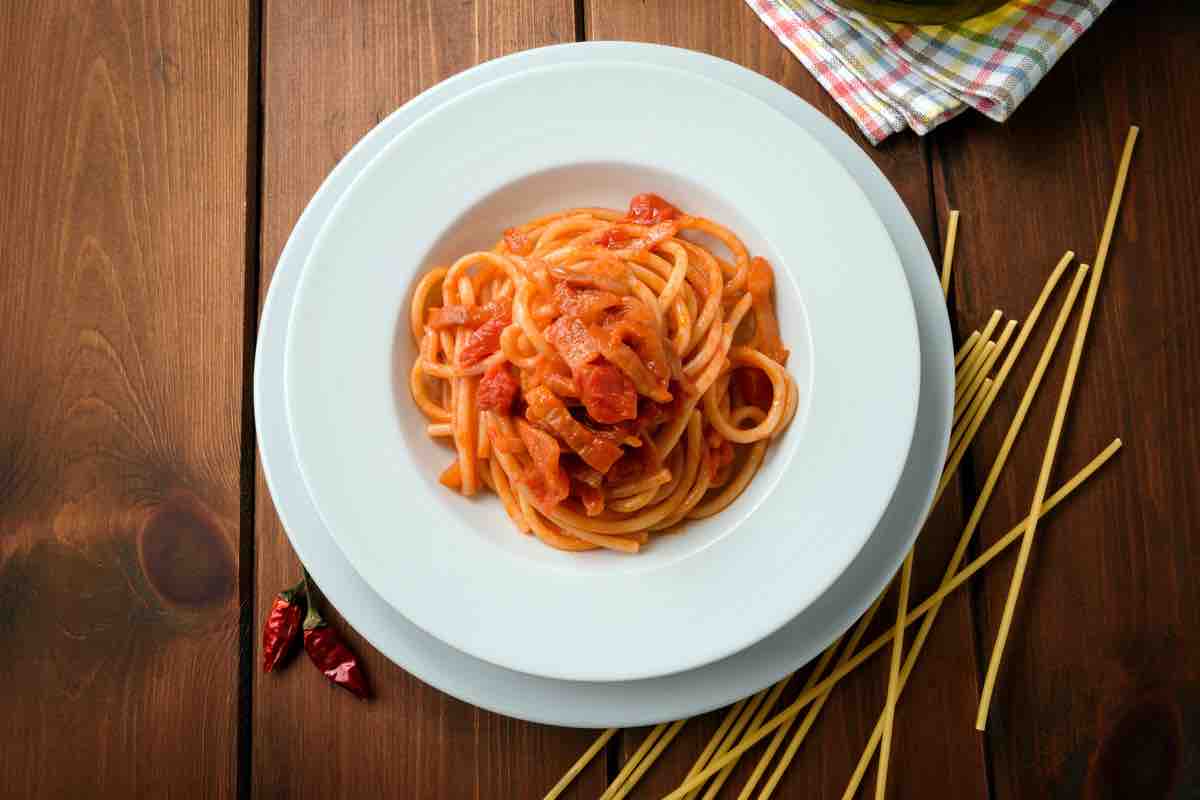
pixel 326 650
pixel 282 628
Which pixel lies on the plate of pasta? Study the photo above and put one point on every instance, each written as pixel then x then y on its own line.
pixel 594 383
pixel 597 370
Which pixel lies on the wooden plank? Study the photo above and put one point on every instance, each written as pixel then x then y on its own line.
pixel 121 317
pixel 942 690
pixel 1100 682
pixel 331 72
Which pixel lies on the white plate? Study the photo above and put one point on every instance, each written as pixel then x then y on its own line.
pixel 589 704
pixel 595 134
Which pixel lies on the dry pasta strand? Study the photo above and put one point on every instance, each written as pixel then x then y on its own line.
pixel 967 348
pixel 980 506
pixel 1064 401
pixel 1001 376
pixel 974 367
pixel 889 712
pixel 738 723
pixel 794 745
pixel 650 758
pixel 948 252
pixel 1033 316
pixel 755 704
pixel 579 765
pixel 718 736
pixel 965 371
pixel 969 416
pixel 632 763
pixel 975 393
pixel 848 664
pixel 985 368
pixel 924 609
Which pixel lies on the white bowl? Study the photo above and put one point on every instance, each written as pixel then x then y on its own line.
pixel 583 135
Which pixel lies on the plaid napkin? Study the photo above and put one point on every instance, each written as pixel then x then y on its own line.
pixel 889 76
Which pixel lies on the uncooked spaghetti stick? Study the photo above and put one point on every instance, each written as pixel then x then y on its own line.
pixel 894 675
pixel 732 714
pixel 984 395
pixel 632 763
pixel 968 366
pixel 986 334
pixel 948 252
pixel 985 369
pixel 993 476
pixel 1002 375
pixel 973 367
pixel 769 704
pixel 650 758
pixel 578 766
pixel 967 347
pixel 931 603
pixel 967 369
pixel 1007 539
pixel 962 403
pixel 985 496
pixel 736 731
pixel 968 399
pixel 1060 413
pixel 969 416
pixel 970 570
pixel 809 718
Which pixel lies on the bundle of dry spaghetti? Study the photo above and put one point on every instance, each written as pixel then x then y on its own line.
pixel 756 721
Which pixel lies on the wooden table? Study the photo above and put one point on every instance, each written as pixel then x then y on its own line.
pixel 155 157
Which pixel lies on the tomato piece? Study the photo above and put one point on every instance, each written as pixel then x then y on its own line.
pixel 571 339
pixel 614 239
pixel 547 479
pixel 498 389
pixel 443 317
pixel 484 340
pixel 650 209
pixel 607 393
pixel 547 410
pixel 588 305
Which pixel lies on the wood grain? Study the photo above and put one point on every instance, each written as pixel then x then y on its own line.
pixel 1100 686
pixel 122 233
pixel 332 72
pixel 129 144
pixel 943 688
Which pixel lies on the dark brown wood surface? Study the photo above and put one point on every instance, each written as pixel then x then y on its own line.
pixel 330 73
pixel 1099 695
pixel 122 268
pixel 155 159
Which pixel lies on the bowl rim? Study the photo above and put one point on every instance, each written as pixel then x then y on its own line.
pixel 363 561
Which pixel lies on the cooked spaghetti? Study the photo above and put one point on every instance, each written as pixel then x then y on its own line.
pixel 605 375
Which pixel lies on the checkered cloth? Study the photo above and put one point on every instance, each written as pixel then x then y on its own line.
pixel 889 77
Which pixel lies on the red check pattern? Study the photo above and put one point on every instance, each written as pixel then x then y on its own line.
pixel 889 77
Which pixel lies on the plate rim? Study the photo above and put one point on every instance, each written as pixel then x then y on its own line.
pixel 683 694
pixel 843 529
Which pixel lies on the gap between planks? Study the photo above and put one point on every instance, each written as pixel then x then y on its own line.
pixel 248 473
pixel 969 484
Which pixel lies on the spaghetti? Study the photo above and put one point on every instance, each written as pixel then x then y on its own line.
pixel 606 375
